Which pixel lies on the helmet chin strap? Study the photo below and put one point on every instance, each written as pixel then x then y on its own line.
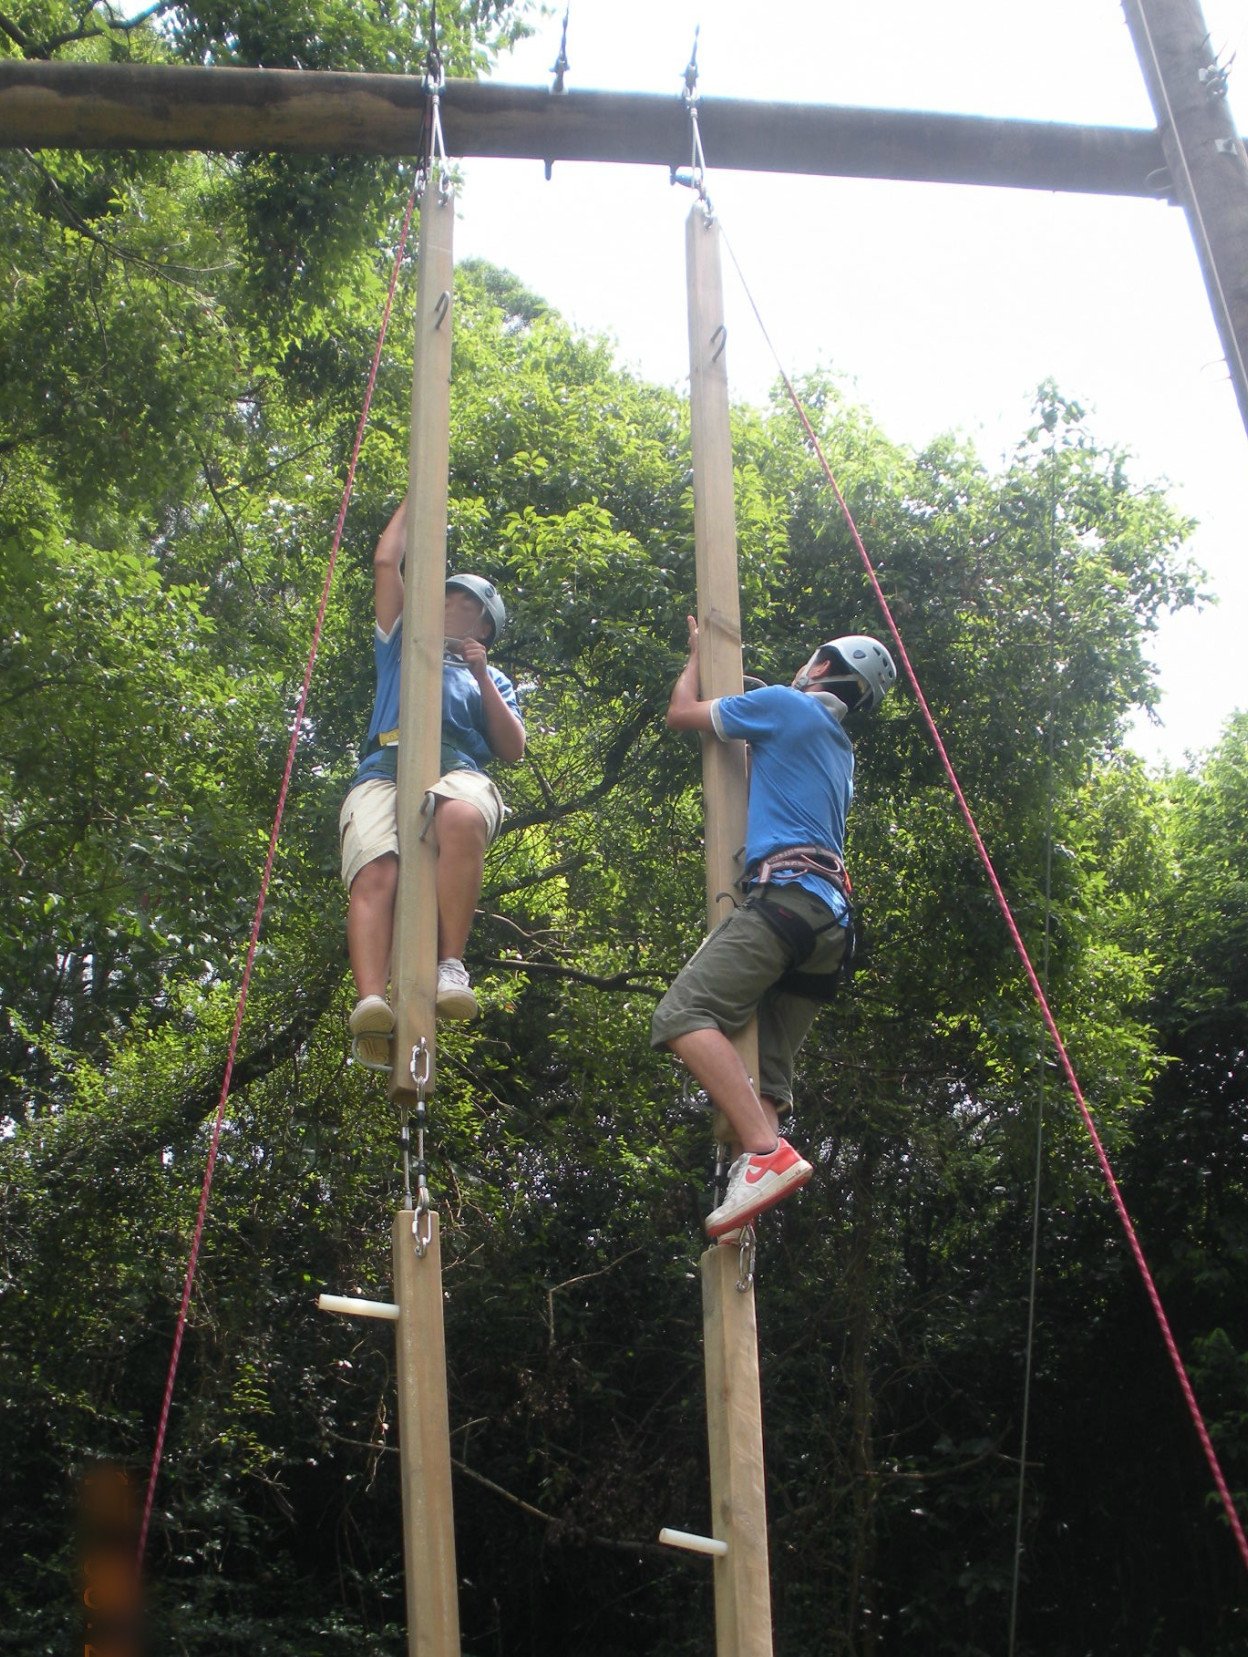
pixel 822 687
pixel 832 703
pixel 805 677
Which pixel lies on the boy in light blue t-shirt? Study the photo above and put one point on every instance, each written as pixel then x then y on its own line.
pixel 480 722
pixel 779 954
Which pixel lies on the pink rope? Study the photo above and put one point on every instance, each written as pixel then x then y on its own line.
pixel 262 898
pixel 1068 1069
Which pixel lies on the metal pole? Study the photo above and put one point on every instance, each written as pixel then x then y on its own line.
pixel 1206 159
pixel 733 1409
pixel 414 970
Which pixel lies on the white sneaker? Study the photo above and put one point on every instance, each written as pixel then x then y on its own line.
pixel 455 997
pixel 757 1181
pixel 371 1026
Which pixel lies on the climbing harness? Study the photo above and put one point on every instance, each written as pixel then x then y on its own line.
pixel 797 934
pixel 801 940
pixel 805 860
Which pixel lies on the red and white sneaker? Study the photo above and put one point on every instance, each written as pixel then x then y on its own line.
pixel 757 1181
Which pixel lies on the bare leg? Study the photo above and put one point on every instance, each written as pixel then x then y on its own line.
pixel 461 865
pixel 717 1065
pixel 370 924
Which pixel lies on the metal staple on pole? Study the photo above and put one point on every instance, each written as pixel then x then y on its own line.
pixel 422 1217
pixel 746 1254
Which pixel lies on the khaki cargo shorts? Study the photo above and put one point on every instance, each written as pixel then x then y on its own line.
pixel 732 977
pixel 369 826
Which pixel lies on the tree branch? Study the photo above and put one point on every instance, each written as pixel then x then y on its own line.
pixel 563 1531
pixel 613 766
pixel 622 981
pixel 68 37
pixel 8 27
pixel 75 221
pixel 578 861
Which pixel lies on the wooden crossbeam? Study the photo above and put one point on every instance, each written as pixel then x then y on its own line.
pixel 158 106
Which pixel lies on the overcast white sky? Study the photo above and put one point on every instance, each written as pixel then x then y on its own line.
pixel 945 306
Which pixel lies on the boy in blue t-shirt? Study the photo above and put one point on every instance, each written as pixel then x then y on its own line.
pixel 480 722
pixel 779 954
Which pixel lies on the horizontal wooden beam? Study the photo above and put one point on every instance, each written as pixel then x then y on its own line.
pixel 154 106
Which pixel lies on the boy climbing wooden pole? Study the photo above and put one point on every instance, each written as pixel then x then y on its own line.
pixel 779 954
pixel 480 722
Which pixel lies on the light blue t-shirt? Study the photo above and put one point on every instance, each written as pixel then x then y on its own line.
pixel 465 746
pixel 801 776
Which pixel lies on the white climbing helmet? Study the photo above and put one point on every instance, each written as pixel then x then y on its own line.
pixel 486 594
pixel 855 654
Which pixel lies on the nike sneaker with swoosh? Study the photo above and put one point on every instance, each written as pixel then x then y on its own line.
pixel 756 1182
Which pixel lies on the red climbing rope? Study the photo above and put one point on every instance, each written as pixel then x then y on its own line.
pixel 296 730
pixel 1068 1069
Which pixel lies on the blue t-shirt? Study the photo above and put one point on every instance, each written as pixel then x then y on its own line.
pixel 801 776
pixel 465 746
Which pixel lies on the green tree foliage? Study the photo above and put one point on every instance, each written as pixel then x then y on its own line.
pixel 184 346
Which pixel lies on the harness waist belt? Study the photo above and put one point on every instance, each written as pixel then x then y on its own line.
pixel 801 860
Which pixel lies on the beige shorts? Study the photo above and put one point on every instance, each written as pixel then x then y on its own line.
pixel 368 822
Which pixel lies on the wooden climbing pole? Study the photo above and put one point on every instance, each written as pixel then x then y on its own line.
pixel 424 1439
pixel 424 1432
pixel 733 1404
pixel 424 1417
pixel 415 965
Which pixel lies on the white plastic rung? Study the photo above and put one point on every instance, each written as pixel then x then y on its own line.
pixel 693 1544
pixel 351 1307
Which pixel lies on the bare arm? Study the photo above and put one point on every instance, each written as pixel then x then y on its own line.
pixel 686 711
pixel 387 569
pixel 503 731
